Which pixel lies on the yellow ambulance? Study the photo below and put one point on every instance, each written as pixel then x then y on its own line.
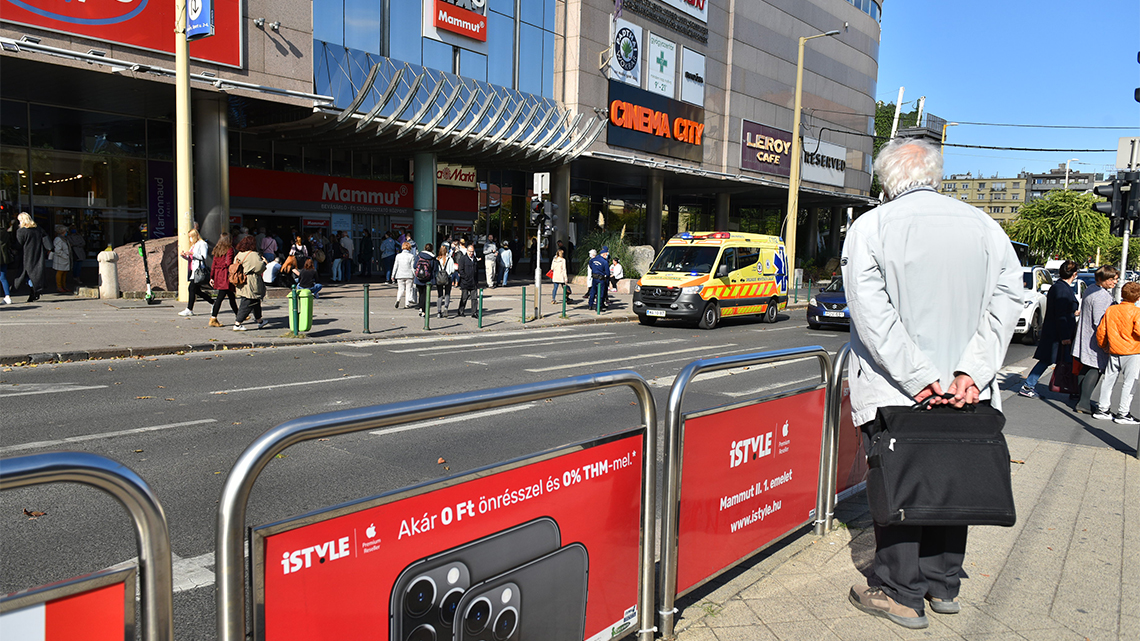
pixel 703 276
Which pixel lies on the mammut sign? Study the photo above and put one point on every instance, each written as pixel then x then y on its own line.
pixel 464 17
pixel 653 123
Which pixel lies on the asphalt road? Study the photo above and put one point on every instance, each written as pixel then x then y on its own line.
pixel 181 422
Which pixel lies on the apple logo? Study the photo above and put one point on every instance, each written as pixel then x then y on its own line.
pixel 371 531
pixel 785 428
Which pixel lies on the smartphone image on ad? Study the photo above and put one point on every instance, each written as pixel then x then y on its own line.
pixel 543 600
pixel 426 595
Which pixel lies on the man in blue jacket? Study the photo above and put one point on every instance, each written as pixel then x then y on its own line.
pixel 600 273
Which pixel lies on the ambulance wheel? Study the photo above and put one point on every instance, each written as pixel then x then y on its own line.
pixel 709 317
pixel 647 320
pixel 771 311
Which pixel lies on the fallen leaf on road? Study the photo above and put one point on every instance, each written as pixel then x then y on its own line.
pixel 1018 461
pixel 142 397
pixel 441 461
pixel 217 472
pixel 447 468
pixel 1048 548
pixel 237 422
pixel 138 451
pixel 321 440
pixel 33 514
pixel 281 456
pixel 633 402
pixel 170 399
pixel 161 387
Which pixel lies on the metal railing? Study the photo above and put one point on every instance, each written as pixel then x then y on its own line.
pixel 829 461
pixel 151 532
pixel 673 418
pixel 231 595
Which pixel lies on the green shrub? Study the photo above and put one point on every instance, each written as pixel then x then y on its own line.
pixel 619 251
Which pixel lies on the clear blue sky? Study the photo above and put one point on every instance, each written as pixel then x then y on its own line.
pixel 1042 62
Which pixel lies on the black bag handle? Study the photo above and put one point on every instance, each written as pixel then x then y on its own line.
pixel 925 404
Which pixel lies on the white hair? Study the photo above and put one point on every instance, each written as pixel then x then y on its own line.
pixel 906 163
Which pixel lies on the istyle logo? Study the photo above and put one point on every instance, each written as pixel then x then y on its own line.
pixel 297 560
pixel 757 447
pixel 85 13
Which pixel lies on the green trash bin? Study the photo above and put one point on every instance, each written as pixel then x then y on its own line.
pixel 305 305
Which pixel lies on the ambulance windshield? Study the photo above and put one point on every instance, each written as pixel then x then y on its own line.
pixel 685 258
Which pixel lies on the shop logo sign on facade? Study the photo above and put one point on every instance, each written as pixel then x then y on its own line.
pixel 765 149
pixel 692 77
pixel 465 17
pixel 698 9
pixel 824 162
pixel 653 123
pixel 662 63
pixel 625 61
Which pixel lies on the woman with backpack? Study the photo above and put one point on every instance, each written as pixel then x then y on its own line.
pixel 425 271
pixel 223 254
pixel 33 242
pixel 444 268
pixel 246 271
pixel 404 272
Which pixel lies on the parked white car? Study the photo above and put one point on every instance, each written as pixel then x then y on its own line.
pixel 1036 281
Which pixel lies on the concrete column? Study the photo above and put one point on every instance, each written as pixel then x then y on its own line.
pixel 836 223
pixel 560 196
pixel 812 238
pixel 723 203
pixel 423 201
pixel 211 165
pixel 654 200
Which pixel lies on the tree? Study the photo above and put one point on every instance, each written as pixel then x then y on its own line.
pixel 1063 224
pixel 884 118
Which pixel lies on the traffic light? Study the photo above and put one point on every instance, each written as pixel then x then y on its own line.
pixel 1114 207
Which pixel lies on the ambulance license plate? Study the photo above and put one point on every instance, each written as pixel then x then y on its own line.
pixel 660 313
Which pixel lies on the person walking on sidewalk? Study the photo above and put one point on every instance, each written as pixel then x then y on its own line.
pixel 1096 300
pixel 558 275
pixel 506 261
pixel 490 260
pixel 468 280
pixel 424 277
pixel 223 254
pixel 444 268
pixel 196 273
pixel 1058 329
pixel 387 256
pixel 61 259
pixel 253 289
pixel 404 271
pixel 1119 335
pixel 7 257
pixel 33 243
pixel 910 338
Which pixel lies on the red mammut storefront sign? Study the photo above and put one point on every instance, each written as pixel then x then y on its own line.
pixel 461 16
pixel 544 548
pixel 147 24
pixel 750 477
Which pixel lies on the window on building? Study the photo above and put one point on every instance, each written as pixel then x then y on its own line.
pixel 1017 185
pixel 965 197
pixel 997 197
pixel 981 185
pixel 981 196
pixel 1052 181
pixel 1016 196
pixel 1013 210
pixel 998 186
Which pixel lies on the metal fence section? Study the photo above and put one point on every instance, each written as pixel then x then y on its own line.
pixel 825 502
pixel 230 570
pixel 673 453
pixel 151 532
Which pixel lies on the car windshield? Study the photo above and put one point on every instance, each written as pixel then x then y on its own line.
pixel 685 258
pixel 836 285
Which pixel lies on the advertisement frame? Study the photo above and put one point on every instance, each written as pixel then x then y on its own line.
pixel 128 576
pixel 260 534
pixel 231 595
pixel 673 424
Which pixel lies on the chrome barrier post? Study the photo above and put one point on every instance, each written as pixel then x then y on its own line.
pixel 229 544
pixel 829 459
pixel 671 503
pixel 152 536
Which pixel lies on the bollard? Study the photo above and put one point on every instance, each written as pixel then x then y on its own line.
pixel 427 308
pixel 480 318
pixel 524 305
pixel 564 301
pixel 600 291
pixel 295 311
pixel 366 309
pixel 108 274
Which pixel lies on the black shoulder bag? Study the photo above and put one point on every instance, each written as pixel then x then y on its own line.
pixel 939 466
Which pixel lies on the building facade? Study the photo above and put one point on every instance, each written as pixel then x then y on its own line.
pixel 1040 185
pixel 651 116
pixel 1001 198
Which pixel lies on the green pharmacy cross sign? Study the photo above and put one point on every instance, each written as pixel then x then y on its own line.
pixel 662 61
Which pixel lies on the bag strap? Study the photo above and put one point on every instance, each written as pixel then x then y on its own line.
pixel 925 404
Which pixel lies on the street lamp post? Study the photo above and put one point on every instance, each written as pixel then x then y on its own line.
pixel 1067 172
pixel 944 126
pixel 797 160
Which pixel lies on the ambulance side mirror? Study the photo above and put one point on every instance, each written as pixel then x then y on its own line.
pixel 722 271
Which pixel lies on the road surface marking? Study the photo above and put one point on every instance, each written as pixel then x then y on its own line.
pixel 780 329
pixel 29 389
pixel 265 387
pixel 436 340
pixel 452 419
pixel 772 386
pixel 357 355
pixel 667 381
pixel 94 437
pixel 624 358
pixel 189 574
pixel 493 344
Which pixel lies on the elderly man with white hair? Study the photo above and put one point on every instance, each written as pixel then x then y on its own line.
pixel 934 289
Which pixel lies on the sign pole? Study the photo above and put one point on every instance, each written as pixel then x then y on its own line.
pixel 184 179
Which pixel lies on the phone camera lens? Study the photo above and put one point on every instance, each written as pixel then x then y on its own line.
pixel 449 605
pixel 475 621
pixel 420 597
pixel 505 624
pixel 422 633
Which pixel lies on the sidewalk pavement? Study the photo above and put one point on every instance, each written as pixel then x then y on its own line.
pixel 1069 568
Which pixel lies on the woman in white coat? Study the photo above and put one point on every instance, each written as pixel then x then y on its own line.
pixel 404 272
pixel 197 267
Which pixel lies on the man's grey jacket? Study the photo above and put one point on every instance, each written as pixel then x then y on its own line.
pixel 934 288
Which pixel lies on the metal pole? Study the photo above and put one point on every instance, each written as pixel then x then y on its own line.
pixel 152 535
pixel 366 331
pixel 524 304
pixel 898 111
pixel 795 157
pixel 829 458
pixel 1123 262
pixel 295 311
pixel 599 291
pixel 670 503
pixel 427 308
pixel 184 179
pixel 564 301
pixel 479 320
pixel 232 507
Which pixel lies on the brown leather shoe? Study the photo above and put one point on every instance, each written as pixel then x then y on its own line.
pixel 944 606
pixel 214 322
pixel 874 601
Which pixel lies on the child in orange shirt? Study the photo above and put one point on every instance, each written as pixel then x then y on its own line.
pixel 1119 335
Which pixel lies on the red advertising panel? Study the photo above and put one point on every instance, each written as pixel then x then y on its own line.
pixel 96 607
pixel 147 24
pixel 449 17
pixel 546 548
pixel 749 476
pixel 851 468
pixel 333 192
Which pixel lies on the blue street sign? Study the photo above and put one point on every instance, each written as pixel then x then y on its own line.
pixel 200 19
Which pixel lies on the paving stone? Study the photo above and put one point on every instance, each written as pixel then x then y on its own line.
pixel 768 587
pixel 733 613
pixel 779 610
pixel 973 621
pixel 744 633
pixel 697 633
pixel 1020 616
pixel 862 627
pixel 800 630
